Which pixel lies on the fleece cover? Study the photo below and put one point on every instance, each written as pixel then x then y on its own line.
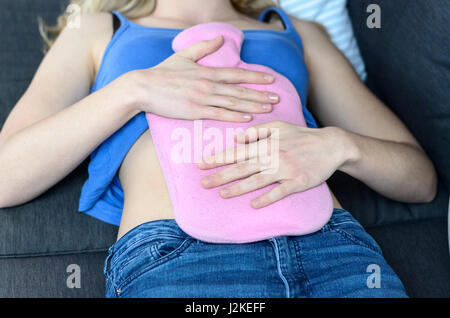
pixel 180 144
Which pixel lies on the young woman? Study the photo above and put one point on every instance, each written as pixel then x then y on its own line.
pixel 89 96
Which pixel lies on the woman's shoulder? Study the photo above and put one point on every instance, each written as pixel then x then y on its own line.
pixel 309 29
pixel 315 38
pixel 81 40
pixel 88 26
pixel 87 29
pixel 92 31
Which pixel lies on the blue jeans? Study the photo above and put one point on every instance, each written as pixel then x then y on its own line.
pixel 158 259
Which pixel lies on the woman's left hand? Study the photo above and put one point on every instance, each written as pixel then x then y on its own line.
pixel 306 158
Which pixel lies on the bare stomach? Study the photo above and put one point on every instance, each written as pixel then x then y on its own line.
pixel 144 186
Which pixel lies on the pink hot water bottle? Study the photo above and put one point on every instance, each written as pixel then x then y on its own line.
pixel 203 213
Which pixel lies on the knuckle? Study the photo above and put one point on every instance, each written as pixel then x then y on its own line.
pixel 236 188
pixel 192 106
pixel 254 106
pixel 218 178
pixel 203 84
pixel 263 95
pixel 205 72
pixel 283 190
pixel 302 178
pixel 258 179
pixel 241 167
pixel 212 73
pixel 240 90
pixel 234 74
pixel 213 88
pixel 196 95
pixel 191 101
pixel 193 111
pixel 245 74
pixel 231 101
pixel 214 112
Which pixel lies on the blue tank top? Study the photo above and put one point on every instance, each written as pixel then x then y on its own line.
pixel 133 47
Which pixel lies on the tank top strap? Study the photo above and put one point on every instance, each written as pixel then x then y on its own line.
pixel 265 15
pixel 290 30
pixel 123 20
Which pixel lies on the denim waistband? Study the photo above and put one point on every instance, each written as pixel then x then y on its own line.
pixel 169 227
pixel 341 216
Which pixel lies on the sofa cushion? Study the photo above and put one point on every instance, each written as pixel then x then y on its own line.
pixel 372 209
pixel 418 253
pixel 408 66
pixel 50 224
pixel 47 276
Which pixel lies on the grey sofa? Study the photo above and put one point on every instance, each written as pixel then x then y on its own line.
pixel 408 66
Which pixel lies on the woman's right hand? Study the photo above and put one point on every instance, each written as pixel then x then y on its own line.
pixel 180 88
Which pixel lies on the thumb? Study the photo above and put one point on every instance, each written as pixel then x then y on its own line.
pixel 201 49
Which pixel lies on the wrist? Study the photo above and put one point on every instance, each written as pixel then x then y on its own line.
pixel 349 153
pixel 128 94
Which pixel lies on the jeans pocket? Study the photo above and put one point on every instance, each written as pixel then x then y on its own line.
pixel 149 254
pixel 348 228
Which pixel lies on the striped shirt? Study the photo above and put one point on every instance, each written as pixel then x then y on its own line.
pixel 333 15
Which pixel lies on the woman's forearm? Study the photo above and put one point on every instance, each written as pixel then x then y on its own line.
pixel 399 171
pixel 38 156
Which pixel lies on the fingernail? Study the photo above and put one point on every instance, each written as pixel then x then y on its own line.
pixel 268 77
pixel 224 192
pixel 205 161
pixel 247 117
pixel 266 106
pixel 273 97
pixel 207 181
pixel 256 203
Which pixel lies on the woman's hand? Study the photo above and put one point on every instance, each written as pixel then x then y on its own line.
pixel 180 88
pixel 306 158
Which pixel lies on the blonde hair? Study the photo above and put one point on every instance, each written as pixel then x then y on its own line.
pixel 133 9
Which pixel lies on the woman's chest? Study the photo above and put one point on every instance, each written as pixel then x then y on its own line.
pixel 136 49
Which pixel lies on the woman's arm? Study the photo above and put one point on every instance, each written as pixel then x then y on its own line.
pixel 388 158
pixel 56 124
pixel 361 137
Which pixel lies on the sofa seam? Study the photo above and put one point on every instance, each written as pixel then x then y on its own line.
pixel 58 253
pixel 375 226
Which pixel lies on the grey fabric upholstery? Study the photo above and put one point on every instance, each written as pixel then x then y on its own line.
pixel 46 276
pixel 40 239
pixel 50 224
pixel 418 253
pixel 408 65
pixel 372 209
